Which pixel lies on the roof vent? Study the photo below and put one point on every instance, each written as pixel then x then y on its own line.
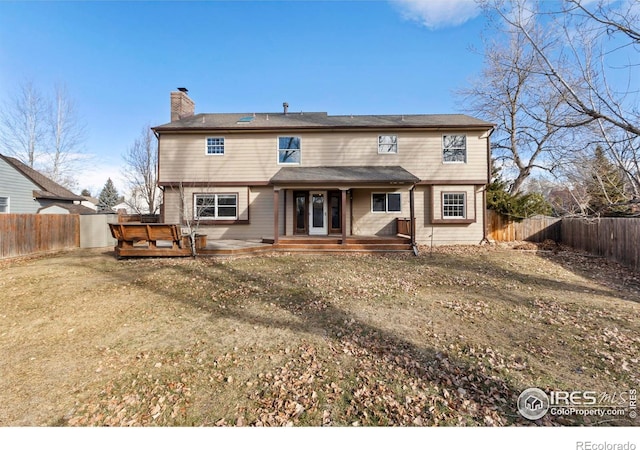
pixel 285 105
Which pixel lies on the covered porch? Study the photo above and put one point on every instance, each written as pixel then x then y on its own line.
pixel 343 206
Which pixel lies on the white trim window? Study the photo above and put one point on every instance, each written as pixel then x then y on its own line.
pixel 454 205
pixel 4 205
pixel 289 150
pixel 388 144
pixel 386 202
pixel 454 148
pixel 215 145
pixel 215 206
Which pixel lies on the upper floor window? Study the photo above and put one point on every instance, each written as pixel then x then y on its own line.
pixel 289 150
pixel 386 202
pixel 215 206
pixel 4 205
pixel 453 205
pixel 215 146
pixel 454 148
pixel 387 144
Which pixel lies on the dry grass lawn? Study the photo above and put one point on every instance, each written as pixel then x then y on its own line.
pixel 449 338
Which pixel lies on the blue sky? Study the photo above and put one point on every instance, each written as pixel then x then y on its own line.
pixel 120 60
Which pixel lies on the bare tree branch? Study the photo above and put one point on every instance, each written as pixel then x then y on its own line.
pixel 141 173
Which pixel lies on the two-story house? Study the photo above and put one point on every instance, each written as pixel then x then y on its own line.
pixel 274 175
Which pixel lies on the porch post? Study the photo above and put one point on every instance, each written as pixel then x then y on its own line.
pixel 412 213
pixel 276 213
pixel 343 215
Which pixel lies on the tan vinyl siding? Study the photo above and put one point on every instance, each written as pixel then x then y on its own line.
pixel 447 234
pixel 368 223
pixel 257 208
pixel 253 157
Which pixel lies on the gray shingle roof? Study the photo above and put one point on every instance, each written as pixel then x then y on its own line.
pixel 343 174
pixel 50 189
pixel 320 120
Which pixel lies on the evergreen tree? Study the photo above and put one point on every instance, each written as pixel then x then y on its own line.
pixel 108 197
pixel 86 193
pixel 515 206
pixel 605 187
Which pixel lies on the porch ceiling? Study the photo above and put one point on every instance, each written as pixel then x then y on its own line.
pixel 341 175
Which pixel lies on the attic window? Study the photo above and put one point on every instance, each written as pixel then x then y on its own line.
pixel 247 119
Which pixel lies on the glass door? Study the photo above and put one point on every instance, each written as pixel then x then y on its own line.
pixel 335 213
pixel 318 213
pixel 300 215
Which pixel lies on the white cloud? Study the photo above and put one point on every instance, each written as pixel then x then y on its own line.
pixel 438 13
pixel 94 177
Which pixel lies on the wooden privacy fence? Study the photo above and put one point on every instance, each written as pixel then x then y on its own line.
pixel 24 234
pixel 615 238
pixel 534 229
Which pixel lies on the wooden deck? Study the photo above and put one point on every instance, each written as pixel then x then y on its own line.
pixel 166 240
pixel 333 244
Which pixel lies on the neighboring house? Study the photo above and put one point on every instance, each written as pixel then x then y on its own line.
pixel 90 202
pixel 25 190
pixel 269 175
pixel 123 208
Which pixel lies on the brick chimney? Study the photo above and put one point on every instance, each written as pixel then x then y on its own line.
pixel 181 105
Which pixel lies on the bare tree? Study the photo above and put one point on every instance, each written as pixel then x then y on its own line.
pixel 45 135
pixel 190 217
pixel 141 173
pixel 22 124
pixel 589 50
pixel 66 135
pixel 510 93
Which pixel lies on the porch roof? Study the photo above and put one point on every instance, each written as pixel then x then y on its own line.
pixel 340 175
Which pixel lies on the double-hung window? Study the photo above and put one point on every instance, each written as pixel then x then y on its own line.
pixel 388 144
pixel 215 146
pixel 386 202
pixel 453 205
pixel 215 206
pixel 4 205
pixel 454 148
pixel 289 150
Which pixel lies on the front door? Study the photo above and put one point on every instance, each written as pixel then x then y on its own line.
pixel 318 213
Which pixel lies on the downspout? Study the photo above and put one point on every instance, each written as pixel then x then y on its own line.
pixel 485 239
pixel 412 219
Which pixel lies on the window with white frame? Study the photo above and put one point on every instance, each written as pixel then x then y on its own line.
pixel 387 144
pixel 454 148
pixel 386 202
pixel 215 206
pixel 215 146
pixel 453 205
pixel 4 205
pixel 289 150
